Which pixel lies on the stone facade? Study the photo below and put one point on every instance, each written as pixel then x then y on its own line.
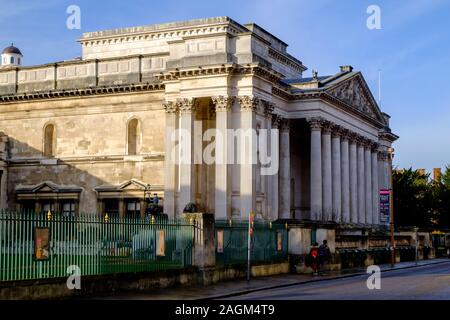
pixel 94 132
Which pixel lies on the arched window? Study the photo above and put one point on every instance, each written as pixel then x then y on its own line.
pixel 49 140
pixel 12 59
pixel 134 137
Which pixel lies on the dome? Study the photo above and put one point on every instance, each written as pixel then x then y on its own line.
pixel 11 49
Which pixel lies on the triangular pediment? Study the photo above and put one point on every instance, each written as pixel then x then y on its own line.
pixel 355 93
pixel 45 189
pixel 46 186
pixel 132 184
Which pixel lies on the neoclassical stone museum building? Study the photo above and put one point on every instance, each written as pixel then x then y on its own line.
pixel 92 133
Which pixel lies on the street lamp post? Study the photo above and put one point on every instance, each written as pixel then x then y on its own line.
pixel 391 156
pixel 147 194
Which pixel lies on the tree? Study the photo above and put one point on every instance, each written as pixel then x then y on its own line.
pixel 419 201
pixel 443 198
pixel 412 199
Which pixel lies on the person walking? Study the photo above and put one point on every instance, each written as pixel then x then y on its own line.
pixel 324 254
pixel 314 258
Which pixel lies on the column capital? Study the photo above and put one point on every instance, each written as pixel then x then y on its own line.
pixel 353 137
pixel 367 143
pixel 374 146
pixel 187 105
pixel 315 123
pixel 248 103
pixel 336 131
pixel 171 107
pixel 362 141
pixel 327 127
pixel 383 155
pixel 345 134
pixel 223 103
pixel 276 121
pixel 285 125
pixel 268 108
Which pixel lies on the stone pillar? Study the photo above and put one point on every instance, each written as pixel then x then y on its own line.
pixel 187 109
pixel 100 207
pixel 353 179
pixel 38 206
pixel 204 239
pixel 122 209
pixel 273 189
pixel 316 169
pixel 368 180
pixel 336 173
pixel 266 154
pixel 143 205
pixel 345 177
pixel 169 159
pixel 222 174
pixel 248 159
pixel 285 171
pixel 361 183
pixel 375 188
pixel 327 195
pixel 386 182
pixel 3 186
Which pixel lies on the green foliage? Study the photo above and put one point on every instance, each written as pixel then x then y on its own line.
pixel 419 201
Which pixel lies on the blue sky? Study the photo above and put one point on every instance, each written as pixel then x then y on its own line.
pixel 412 48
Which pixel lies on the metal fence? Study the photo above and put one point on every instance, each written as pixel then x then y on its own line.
pixel 269 242
pixel 39 245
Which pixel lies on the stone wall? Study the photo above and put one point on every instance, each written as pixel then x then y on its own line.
pixel 116 283
pixel 91 142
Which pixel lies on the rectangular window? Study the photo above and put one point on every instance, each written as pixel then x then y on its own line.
pixel 112 207
pixel 133 208
pixel 68 209
pixel 48 206
pixel 28 206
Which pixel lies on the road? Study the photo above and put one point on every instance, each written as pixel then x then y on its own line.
pixel 431 282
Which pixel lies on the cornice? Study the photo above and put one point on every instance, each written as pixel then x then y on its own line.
pixel 68 93
pixel 167 34
pixel 231 69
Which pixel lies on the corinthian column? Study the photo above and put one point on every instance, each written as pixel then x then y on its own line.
pixel 316 168
pixel 375 188
pixel 169 159
pixel 353 179
pixel 368 179
pixel 274 190
pixel 345 177
pixel 336 171
pixel 361 182
pixel 248 159
pixel 222 204
pixel 285 171
pixel 327 202
pixel 187 109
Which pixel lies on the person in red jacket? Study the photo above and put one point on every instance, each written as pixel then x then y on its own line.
pixel 314 258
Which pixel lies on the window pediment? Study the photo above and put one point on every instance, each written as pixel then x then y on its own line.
pixel 128 189
pixel 48 189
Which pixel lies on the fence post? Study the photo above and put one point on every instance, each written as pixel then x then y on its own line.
pixel 204 256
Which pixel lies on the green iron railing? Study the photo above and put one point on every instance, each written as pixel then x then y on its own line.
pixel 41 245
pixel 269 242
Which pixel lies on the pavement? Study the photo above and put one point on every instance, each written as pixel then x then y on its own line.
pixel 425 282
pixel 261 287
